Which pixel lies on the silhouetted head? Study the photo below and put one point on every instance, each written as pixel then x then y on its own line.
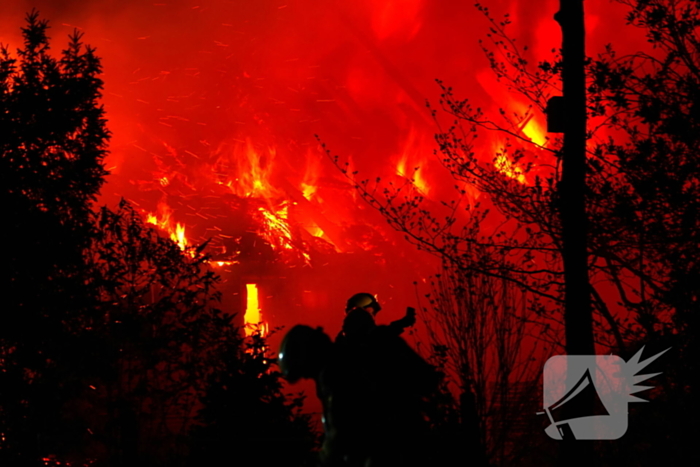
pixel 358 324
pixel 303 352
pixel 364 301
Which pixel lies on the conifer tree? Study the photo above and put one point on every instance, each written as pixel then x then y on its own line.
pixel 110 337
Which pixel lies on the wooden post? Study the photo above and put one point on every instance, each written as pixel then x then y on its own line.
pixel 572 187
pixel 578 319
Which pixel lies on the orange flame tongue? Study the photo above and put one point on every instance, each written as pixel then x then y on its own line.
pixel 249 171
pixel 163 220
pixel 412 160
pixel 414 175
pixel 179 236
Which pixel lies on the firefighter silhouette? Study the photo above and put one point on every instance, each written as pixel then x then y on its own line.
pixel 360 312
pixel 373 392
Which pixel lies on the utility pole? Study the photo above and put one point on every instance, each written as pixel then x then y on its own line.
pixel 570 112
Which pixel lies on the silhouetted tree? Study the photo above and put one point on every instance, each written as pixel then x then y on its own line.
pixel 154 336
pixel 52 142
pixel 235 423
pixel 641 198
pixel 110 338
pixel 488 353
pixel 645 196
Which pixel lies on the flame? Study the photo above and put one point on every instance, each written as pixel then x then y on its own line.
pixel 411 162
pixel 179 236
pixel 414 174
pixel 276 227
pixel 277 231
pixel 308 191
pixel 508 168
pixel 253 314
pixel 163 220
pixel 247 171
pixel 309 183
pixel 533 130
pixel 531 126
pixel 315 231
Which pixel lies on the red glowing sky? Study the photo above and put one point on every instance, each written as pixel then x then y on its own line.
pixel 202 74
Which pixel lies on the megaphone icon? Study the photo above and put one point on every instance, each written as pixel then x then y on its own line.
pixel 596 406
pixel 582 400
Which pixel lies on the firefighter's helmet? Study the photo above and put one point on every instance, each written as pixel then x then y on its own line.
pixel 363 300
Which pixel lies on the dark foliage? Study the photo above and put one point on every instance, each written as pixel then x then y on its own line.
pixel 237 423
pixel 642 182
pixel 52 141
pixel 109 333
pixel 645 192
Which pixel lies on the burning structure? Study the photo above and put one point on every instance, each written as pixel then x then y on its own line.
pixel 214 107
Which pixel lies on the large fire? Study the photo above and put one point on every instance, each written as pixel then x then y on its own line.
pixel 214 106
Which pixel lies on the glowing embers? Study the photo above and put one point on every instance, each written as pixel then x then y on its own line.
pixel 268 190
pixel 222 264
pixel 246 200
pixel 508 168
pixel 253 314
pixel 528 129
pixel 275 226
